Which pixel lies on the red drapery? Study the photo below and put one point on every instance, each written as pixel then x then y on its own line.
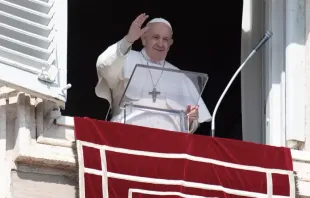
pixel 118 161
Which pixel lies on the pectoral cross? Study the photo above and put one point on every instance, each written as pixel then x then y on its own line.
pixel 154 94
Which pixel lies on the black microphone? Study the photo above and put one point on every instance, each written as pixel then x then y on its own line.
pixel 266 37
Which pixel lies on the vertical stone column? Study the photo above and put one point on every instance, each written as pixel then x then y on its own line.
pixel 24 123
pixel 251 74
pixel 3 164
pixel 274 74
pixel 295 72
pixel 307 76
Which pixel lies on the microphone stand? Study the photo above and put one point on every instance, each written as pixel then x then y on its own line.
pixel 266 37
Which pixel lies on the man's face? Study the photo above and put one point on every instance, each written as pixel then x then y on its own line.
pixel 157 41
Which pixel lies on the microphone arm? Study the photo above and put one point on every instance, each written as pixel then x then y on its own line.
pixel 266 37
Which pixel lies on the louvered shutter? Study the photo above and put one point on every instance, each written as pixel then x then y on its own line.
pixel 33 47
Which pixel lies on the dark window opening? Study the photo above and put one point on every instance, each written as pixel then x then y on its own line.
pixel 207 38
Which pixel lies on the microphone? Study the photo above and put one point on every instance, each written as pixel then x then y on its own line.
pixel 266 37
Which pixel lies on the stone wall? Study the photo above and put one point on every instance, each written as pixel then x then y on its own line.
pixel 302 156
pixel 36 155
pixel 301 164
pixel 41 182
pixel 307 73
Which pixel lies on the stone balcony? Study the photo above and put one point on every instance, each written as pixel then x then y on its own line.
pixel 37 156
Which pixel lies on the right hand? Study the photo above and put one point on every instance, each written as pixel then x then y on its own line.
pixel 135 31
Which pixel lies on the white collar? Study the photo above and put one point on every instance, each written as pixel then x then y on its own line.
pixel 149 60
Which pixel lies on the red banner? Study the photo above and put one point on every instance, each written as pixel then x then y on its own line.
pixel 118 161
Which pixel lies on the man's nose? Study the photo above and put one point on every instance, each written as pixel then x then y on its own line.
pixel 160 42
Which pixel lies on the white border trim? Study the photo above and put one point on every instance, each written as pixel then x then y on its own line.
pixel 291 178
pixel 188 157
pixel 79 145
pixel 105 174
pixel 93 171
pixel 161 193
pixel 189 184
pixel 105 187
pixel 269 185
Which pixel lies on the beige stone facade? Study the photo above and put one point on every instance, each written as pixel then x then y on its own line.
pixel 36 156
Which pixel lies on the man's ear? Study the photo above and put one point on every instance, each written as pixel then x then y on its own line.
pixel 143 39
pixel 171 41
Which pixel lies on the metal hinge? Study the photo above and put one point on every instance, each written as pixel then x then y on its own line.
pixel 49 75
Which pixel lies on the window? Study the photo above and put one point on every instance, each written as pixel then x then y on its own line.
pixel 33 47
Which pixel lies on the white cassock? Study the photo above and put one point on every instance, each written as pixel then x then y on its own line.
pixel 115 66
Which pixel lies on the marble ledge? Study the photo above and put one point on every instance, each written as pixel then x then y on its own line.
pixel 300 155
pixel 47 155
pixel 65 121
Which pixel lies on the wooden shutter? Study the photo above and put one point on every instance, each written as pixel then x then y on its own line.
pixel 33 47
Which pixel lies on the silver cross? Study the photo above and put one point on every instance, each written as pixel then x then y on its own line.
pixel 154 94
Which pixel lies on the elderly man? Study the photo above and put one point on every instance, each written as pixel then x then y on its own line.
pixel 115 66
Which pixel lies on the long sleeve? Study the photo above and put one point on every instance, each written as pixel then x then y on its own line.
pixel 109 66
pixel 113 54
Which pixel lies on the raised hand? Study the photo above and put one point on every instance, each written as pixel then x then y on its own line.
pixel 135 31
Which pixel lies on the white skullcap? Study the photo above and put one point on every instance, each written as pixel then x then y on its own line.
pixel 160 20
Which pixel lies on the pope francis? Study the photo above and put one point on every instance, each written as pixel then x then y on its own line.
pixel 116 64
